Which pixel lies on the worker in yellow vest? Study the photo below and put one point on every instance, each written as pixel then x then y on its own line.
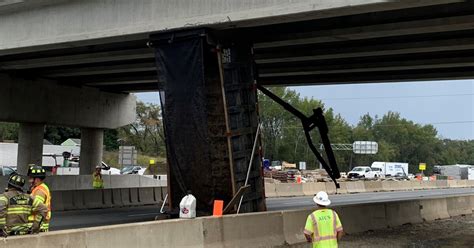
pixel 39 190
pixel 323 227
pixel 97 181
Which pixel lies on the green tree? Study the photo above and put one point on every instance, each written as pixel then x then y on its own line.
pixel 57 135
pixel 283 134
pixel 111 139
pixel 9 131
pixel 146 133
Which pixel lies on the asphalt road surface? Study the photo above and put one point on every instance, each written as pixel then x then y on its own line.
pixel 100 217
pixel 305 202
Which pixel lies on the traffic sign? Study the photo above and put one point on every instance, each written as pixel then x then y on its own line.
pixel 422 166
pixel 365 147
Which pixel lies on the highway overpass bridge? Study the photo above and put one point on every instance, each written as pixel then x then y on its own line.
pixel 74 63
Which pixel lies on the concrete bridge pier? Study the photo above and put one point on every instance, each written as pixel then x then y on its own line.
pixel 92 140
pixel 30 146
pixel 210 118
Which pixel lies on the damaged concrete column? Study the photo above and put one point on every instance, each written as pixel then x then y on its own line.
pixel 92 140
pixel 30 146
pixel 210 119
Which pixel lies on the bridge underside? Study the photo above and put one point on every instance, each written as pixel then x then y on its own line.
pixel 424 43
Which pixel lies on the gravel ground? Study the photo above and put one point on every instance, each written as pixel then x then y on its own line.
pixel 455 232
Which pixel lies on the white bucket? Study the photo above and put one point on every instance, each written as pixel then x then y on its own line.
pixel 187 207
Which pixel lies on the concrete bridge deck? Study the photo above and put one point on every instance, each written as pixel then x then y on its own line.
pixel 92 43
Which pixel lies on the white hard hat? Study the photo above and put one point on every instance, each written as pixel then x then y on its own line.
pixel 322 198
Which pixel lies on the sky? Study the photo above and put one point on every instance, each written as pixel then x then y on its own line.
pixel 448 105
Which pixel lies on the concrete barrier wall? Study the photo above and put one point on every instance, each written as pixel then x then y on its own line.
pixel 470 183
pixel 362 217
pixel 289 189
pixel 356 187
pixel 270 190
pixel 309 189
pixel 434 209
pixel 330 188
pixel 342 188
pixel 267 229
pixel 428 184
pixel 106 198
pixel 459 206
pixel 403 212
pixel 61 182
pixel 472 203
pixel 67 182
pixel 442 184
pixel 373 186
pixel 124 181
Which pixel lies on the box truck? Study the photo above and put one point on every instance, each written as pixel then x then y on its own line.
pixel 390 168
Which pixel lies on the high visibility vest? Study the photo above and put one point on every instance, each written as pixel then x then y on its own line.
pixel 42 193
pixel 323 225
pixel 97 181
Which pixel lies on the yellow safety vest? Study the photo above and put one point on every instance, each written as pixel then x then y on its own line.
pixel 38 193
pixel 97 182
pixel 322 225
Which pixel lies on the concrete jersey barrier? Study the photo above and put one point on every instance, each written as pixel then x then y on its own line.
pixel 289 189
pixel 266 229
pixel 309 189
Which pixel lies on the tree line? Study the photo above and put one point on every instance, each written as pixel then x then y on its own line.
pixel 146 133
pixel 399 139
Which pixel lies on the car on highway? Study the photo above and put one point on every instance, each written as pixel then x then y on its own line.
pixel 291 174
pixel 132 169
pixel 111 171
pixel 363 172
pixel 6 170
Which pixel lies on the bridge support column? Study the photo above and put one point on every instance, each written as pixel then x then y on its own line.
pixel 210 119
pixel 30 146
pixel 92 140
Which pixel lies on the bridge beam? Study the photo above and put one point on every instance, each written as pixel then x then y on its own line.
pixel 47 102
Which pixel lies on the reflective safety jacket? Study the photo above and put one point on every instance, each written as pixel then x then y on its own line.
pixel 42 193
pixel 323 225
pixel 15 208
pixel 97 181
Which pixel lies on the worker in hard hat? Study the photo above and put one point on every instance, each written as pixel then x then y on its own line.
pixel 97 180
pixel 16 206
pixel 152 168
pixel 323 227
pixel 39 189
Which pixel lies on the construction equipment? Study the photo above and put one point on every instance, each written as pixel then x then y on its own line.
pixel 309 123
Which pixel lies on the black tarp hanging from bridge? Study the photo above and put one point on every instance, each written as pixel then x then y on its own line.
pixel 209 142
pixel 187 115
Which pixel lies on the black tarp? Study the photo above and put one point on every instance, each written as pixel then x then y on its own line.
pixel 194 119
pixel 181 66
